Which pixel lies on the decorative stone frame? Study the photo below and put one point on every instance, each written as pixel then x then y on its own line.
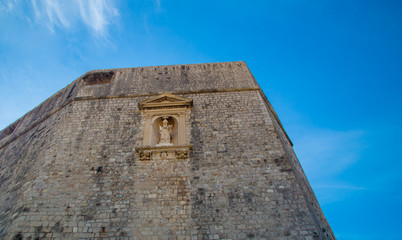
pixel 173 108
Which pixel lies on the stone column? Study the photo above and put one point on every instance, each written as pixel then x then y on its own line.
pixel 147 130
pixel 181 140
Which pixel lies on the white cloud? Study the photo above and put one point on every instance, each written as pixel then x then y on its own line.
pixel 96 15
pixel 51 13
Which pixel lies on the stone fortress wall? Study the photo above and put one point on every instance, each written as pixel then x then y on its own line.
pixel 71 168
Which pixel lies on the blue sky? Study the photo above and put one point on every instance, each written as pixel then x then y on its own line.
pixel 331 69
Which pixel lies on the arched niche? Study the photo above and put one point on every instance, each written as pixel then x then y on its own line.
pixel 169 128
pixel 171 108
pixel 165 127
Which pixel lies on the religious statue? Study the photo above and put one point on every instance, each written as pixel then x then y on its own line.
pixel 165 130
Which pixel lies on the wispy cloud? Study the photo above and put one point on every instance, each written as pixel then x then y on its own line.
pixel 325 155
pixel 7 5
pixel 96 15
pixel 51 13
pixel 339 186
pixel 335 189
pixel 329 150
pixel 158 5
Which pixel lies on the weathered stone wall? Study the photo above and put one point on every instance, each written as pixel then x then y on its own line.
pixel 176 78
pixel 142 81
pixel 75 174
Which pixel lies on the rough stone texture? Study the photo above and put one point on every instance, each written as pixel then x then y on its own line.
pixel 68 168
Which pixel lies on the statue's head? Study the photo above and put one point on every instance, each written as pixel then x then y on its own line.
pixel 165 122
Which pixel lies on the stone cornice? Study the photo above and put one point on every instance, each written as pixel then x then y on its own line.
pixel 146 153
pixel 165 100
pixel 162 148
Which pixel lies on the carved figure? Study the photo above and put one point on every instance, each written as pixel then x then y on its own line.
pixel 165 130
pixel 181 154
pixel 145 155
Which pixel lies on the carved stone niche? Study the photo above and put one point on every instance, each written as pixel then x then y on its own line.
pixel 165 127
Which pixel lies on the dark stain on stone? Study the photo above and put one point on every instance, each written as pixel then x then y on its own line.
pixel 233 198
pixel 9 130
pixel 249 197
pixel 286 193
pixel 88 217
pixel 250 235
pixel 71 91
pixel 98 78
pixel 57 227
pixel 18 236
pixel 182 190
pixel 38 231
pixel 184 75
pixel 203 210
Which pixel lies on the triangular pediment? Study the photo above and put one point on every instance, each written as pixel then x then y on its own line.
pixel 165 100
